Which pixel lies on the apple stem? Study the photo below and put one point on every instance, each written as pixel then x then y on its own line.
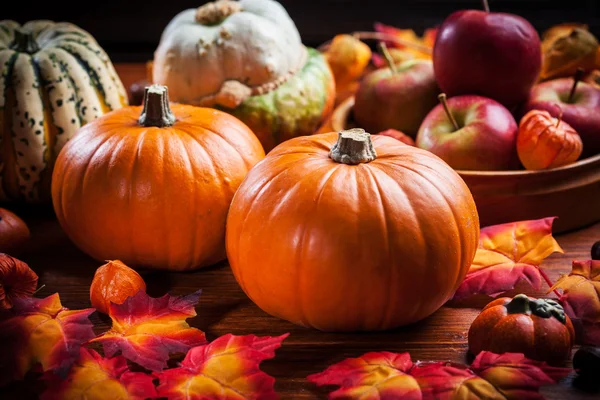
pixel 388 57
pixel 443 100
pixel 576 78
pixel 486 6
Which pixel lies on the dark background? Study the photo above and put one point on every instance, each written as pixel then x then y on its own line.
pixel 129 30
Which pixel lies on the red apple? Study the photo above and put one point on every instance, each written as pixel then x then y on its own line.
pixel 483 137
pixel 495 55
pixel 582 112
pixel 400 136
pixel 396 99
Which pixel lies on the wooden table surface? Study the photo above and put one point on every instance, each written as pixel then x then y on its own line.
pixel 224 308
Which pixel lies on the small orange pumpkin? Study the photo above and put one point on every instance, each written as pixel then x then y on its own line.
pixel 538 328
pixel 546 142
pixel 348 231
pixel 114 282
pixel 153 190
pixel 14 233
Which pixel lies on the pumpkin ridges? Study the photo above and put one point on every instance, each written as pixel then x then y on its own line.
pixel 391 272
pixel 61 57
pixel 101 54
pixel 49 133
pixel 76 49
pixel 245 154
pixel 422 245
pixel 56 88
pixel 457 217
pixel 73 184
pixel 325 180
pixel 252 202
pixel 194 231
pixel 256 202
pixel 89 104
pixel 8 163
pixel 28 140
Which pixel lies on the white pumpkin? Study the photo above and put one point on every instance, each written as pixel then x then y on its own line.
pixel 54 79
pixel 226 51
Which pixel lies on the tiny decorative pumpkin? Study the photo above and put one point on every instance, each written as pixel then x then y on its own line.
pixel 362 233
pixel 14 233
pixel 55 78
pixel 153 192
pixel 246 58
pixel 114 282
pixel 546 142
pixel 538 328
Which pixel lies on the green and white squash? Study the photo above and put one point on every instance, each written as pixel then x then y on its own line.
pixel 54 79
pixel 246 57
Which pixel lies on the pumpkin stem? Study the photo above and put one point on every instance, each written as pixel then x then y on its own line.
pixel 442 98
pixel 576 78
pixel 24 42
pixel 215 12
pixel 156 107
pixel 388 57
pixel 543 308
pixel 353 147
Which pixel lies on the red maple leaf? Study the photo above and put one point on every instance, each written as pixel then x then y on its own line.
pixel 507 254
pixel 147 330
pixel 516 376
pixel 384 375
pixel 581 299
pixel 381 375
pixel 93 377
pixel 41 334
pixel 227 368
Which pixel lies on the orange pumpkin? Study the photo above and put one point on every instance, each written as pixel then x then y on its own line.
pixel 14 233
pixel 114 282
pixel 348 231
pixel 153 192
pixel 538 328
pixel 546 142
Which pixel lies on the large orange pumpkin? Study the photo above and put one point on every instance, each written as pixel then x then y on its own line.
pixel 365 233
pixel 153 192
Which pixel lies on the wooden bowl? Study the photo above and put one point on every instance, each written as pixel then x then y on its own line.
pixel 572 192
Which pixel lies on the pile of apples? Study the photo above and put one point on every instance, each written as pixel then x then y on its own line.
pixel 487 65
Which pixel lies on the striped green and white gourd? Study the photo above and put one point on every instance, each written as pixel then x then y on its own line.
pixel 54 79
